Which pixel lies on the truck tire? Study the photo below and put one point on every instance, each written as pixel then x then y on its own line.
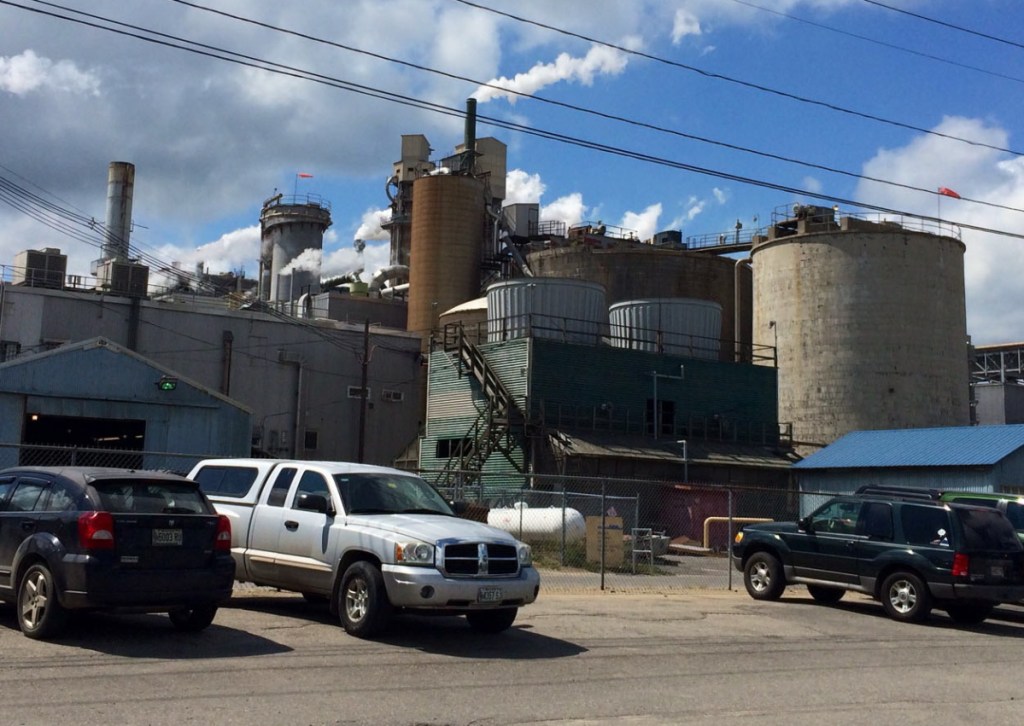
pixel 491 621
pixel 763 577
pixel 362 601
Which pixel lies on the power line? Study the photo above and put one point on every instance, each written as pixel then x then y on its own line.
pixel 739 82
pixel 882 43
pixel 254 62
pixel 580 109
pixel 943 23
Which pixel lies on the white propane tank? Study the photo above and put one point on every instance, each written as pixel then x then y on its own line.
pixel 538 524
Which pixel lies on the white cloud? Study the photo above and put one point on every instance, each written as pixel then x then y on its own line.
pixel 694 208
pixel 599 60
pixel 309 260
pixel 645 223
pixel 27 72
pixel 812 184
pixel 347 260
pixel 569 209
pixel 721 196
pixel 522 188
pixel 993 265
pixel 231 251
pixel 371 226
pixel 684 24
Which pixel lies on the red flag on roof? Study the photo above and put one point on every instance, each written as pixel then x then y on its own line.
pixel 947 192
pixel 303 175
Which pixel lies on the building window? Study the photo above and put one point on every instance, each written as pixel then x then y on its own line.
pixel 666 417
pixel 357 392
pixel 390 395
pixel 9 349
pixel 451 448
pixel 311 440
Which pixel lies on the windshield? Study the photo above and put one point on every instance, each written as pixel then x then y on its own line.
pixel 371 493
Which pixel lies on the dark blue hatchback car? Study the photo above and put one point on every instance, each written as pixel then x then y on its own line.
pixel 92 538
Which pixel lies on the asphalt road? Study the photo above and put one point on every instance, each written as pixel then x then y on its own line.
pixel 690 657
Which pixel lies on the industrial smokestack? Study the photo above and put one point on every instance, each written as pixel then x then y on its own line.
pixel 470 135
pixel 120 188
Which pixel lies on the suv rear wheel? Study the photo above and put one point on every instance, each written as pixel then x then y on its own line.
pixel 905 597
pixel 40 613
pixel 763 577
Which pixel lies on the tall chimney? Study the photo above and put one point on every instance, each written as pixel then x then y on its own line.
pixel 470 135
pixel 120 187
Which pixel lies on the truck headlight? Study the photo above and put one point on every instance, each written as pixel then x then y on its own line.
pixel 738 538
pixel 525 555
pixel 414 553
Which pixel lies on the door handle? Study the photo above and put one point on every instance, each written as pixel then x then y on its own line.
pixel 291 525
pixel 28 525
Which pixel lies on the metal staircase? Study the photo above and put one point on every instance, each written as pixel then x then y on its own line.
pixel 498 426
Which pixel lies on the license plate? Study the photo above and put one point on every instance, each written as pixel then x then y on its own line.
pixel 997 571
pixel 489 594
pixel 166 536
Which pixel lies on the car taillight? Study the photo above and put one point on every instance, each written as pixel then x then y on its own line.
pixel 223 538
pixel 961 565
pixel 96 531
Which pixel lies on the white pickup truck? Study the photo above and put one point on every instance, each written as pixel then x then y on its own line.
pixel 369 539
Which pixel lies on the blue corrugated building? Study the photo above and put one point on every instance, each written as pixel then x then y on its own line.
pixel 966 458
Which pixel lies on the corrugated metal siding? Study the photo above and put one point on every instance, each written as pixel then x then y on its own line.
pixel 952 446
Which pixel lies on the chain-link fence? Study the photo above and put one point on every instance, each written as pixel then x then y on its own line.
pixel 586 533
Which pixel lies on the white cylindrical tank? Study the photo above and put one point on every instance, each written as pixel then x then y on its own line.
pixel 869 321
pixel 573 311
pixel 676 326
pixel 539 524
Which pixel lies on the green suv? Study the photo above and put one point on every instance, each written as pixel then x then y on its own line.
pixel 903 547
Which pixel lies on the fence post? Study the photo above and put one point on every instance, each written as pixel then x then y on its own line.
pixel 728 549
pixel 600 539
pixel 561 556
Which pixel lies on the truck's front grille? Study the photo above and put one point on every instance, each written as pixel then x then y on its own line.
pixel 480 559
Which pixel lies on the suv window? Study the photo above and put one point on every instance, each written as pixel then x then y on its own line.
pixel 986 529
pixel 876 520
pixel 26 495
pixel 925 525
pixel 839 517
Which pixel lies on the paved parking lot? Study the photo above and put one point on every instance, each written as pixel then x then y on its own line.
pixel 695 657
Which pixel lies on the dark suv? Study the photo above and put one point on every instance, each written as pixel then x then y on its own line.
pixel 900 546
pixel 74 538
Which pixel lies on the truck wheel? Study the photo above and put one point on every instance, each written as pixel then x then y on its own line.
pixel 763 577
pixel 491 621
pixel 906 598
pixel 40 614
pixel 364 606
pixel 192 620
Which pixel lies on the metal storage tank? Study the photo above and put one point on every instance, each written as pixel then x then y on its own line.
pixel 639 271
pixel 869 320
pixel 289 226
pixel 677 326
pixel 472 315
pixel 573 311
pixel 448 224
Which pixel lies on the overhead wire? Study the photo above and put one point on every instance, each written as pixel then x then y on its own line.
pixel 952 26
pixel 738 81
pixel 881 43
pixel 579 109
pixel 270 66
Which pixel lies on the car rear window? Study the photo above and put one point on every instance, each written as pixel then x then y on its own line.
pixel 987 529
pixel 147 496
pixel 226 481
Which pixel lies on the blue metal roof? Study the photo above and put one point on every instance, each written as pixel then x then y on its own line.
pixel 953 446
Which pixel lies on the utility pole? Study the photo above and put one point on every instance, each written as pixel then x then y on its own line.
pixel 362 391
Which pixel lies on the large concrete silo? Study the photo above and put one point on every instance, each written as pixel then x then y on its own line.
pixel 448 223
pixel 291 242
pixel 870 324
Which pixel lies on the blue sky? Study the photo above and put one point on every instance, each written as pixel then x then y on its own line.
pixel 887 90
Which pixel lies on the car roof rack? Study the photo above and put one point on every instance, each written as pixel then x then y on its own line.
pixel 899 492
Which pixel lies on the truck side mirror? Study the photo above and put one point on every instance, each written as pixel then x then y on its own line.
pixel 314 503
pixel 459 507
pixel 805 525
